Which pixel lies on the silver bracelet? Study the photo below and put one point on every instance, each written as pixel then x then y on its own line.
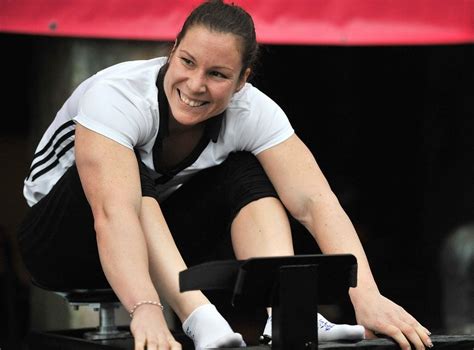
pixel 145 302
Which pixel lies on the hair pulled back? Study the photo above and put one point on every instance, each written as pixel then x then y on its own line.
pixel 225 18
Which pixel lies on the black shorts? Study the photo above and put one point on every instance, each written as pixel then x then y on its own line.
pixel 58 242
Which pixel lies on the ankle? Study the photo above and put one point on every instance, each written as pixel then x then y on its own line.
pixel 186 306
pixel 206 326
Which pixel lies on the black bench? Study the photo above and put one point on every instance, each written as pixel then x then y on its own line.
pixel 293 286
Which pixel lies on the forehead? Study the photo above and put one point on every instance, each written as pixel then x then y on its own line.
pixel 204 43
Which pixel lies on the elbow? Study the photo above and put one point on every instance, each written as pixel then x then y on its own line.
pixel 313 204
pixel 109 217
pixel 101 222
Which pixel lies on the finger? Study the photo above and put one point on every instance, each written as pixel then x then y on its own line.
pixel 167 342
pixel 421 331
pixel 139 343
pixel 412 335
pixel 163 344
pixel 152 345
pixel 175 345
pixel 424 329
pixel 424 336
pixel 397 335
pixel 413 321
pixel 369 334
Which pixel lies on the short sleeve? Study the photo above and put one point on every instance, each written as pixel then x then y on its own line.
pixel 116 113
pixel 266 124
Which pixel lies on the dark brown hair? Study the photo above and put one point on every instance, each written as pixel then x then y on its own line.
pixel 225 18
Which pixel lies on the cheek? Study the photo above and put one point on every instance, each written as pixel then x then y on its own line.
pixel 225 93
pixel 222 99
pixel 167 85
pixel 174 74
pixel 172 78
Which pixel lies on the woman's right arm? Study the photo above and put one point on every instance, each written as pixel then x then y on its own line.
pixel 111 181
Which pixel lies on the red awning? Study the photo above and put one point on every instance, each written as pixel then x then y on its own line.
pixel 331 22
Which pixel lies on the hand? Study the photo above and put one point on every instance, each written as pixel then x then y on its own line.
pixel 380 315
pixel 150 330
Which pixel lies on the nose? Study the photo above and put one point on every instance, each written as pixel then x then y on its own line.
pixel 197 82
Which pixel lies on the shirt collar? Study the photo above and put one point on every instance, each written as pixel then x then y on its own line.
pixel 212 127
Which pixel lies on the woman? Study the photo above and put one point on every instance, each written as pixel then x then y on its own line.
pixel 149 162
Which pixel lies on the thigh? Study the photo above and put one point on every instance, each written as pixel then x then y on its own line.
pixel 200 213
pixel 57 238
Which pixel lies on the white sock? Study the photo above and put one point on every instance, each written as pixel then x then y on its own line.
pixel 328 331
pixel 208 329
pixel 268 327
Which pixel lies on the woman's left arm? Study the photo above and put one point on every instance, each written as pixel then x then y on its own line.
pixel 306 194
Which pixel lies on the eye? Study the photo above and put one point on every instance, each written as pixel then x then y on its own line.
pixel 186 61
pixel 218 75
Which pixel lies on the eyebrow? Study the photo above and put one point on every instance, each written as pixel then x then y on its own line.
pixel 214 67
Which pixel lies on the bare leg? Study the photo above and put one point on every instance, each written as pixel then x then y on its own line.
pixel 201 320
pixel 262 228
pixel 166 261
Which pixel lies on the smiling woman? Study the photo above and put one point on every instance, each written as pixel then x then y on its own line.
pixel 203 74
pixel 150 164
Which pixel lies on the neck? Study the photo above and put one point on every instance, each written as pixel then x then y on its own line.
pixel 176 128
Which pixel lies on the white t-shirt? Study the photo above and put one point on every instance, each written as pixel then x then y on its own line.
pixel 121 103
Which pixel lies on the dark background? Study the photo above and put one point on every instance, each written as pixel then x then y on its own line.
pixel 391 127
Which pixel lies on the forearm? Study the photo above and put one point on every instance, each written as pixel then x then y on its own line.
pixel 335 234
pixel 124 258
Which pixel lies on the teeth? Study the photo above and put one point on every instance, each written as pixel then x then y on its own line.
pixel 190 102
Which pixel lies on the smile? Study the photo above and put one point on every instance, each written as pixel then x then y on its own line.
pixel 190 102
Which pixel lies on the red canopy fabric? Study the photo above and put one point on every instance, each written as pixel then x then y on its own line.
pixel 306 22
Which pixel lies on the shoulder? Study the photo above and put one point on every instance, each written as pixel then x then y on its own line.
pixel 121 102
pixel 251 97
pixel 254 122
pixel 127 87
pixel 251 105
pixel 133 68
pixel 136 78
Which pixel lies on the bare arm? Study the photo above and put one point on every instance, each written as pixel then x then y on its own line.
pixel 306 193
pixel 110 178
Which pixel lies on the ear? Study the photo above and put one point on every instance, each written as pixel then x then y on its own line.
pixel 173 49
pixel 243 80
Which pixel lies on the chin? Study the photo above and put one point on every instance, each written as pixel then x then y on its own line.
pixel 188 120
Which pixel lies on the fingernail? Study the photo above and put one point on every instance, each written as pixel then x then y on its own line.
pixel 430 344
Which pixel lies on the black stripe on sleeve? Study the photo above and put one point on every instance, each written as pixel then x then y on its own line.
pixel 50 155
pixel 45 148
pixel 56 162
